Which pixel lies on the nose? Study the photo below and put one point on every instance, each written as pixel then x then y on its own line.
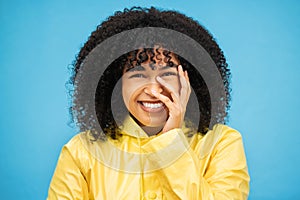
pixel 153 86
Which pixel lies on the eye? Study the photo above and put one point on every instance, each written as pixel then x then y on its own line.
pixel 137 76
pixel 169 74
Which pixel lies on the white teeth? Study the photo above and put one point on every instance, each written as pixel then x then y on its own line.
pixel 152 105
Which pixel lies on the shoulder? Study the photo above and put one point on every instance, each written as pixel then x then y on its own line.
pixel 220 132
pixel 218 138
pixel 80 140
pixel 74 142
pixel 76 148
pixel 224 135
pixel 225 131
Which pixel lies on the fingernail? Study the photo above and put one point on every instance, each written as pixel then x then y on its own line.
pixel 153 91
pixel 159 78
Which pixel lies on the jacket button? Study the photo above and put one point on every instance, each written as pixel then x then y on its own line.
pixel 152 195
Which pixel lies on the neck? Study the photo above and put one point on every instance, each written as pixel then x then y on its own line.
pixel 151 130
pixel 148 129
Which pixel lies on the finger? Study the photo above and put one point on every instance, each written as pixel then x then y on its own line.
pixel 182 74
pixel 186 76
pixel 167 101
pixel 180 70
pixel 188 81
pixel 184 91
pixel 169 88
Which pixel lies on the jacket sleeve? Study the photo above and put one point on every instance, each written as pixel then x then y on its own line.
pixel 67 181
pixel 224 177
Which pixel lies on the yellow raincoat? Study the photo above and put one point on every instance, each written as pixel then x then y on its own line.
pixel 166 166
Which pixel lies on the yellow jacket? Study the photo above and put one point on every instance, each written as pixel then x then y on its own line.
pixel 171 165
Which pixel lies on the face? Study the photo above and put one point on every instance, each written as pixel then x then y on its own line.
pixel 137 86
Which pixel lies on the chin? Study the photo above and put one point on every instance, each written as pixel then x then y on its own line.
pixel 150 119
pixel 152 123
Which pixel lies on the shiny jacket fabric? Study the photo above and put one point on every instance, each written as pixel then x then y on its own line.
pixel 171 166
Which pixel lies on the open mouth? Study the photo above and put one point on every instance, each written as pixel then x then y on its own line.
pixel 152 106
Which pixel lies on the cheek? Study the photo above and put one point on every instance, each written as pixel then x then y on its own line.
pixel 174 82
pixel 126 95
pixel 129 92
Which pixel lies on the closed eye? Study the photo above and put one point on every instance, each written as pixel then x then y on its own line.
pixel 137 76
pixel 169 74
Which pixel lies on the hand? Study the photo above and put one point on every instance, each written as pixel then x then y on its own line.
pixel 176 106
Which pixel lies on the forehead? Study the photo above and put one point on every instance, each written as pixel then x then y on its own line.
pixel 151 66
pixel 155 58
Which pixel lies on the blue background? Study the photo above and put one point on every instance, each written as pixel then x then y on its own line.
pixel 39 39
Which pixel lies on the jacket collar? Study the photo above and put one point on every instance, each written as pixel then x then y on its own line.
pixel 131 128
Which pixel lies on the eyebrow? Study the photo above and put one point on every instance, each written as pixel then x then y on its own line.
pixel 167 67
pixel 141 68
pixel 137 68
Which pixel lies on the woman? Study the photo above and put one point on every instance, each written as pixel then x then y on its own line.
pixel 152 141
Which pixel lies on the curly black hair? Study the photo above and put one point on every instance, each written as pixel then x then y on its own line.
pixel 138 17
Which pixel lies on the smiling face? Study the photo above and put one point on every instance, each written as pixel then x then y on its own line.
pixel 139 82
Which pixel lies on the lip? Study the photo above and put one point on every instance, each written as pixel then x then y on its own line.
pixel 151 110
